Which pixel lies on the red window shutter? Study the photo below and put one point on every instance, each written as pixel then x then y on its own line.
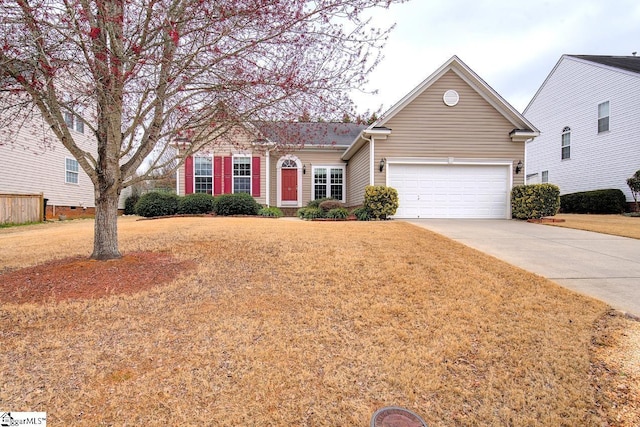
pixel 217 175
pixel 255 177
pixel 228 174
pixel 188 175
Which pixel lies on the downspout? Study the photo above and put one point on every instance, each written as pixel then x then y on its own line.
pixel 372 152
pixel 268 177
pixel 178 172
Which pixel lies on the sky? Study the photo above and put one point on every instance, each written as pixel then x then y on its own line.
pixel 512 45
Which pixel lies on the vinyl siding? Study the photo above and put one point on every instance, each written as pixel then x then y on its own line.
pixel 358 176
pixel 570 97
pixel 427 128
pixel 310 158
pixel 27 166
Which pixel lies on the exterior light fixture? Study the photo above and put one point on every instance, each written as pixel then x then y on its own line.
pixel 304 169
pixel 519 166
pixel 382 162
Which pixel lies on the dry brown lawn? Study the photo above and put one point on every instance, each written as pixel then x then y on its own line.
pixel 617 225
pixel 291 323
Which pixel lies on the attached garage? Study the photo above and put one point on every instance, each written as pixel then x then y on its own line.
pixel 451 190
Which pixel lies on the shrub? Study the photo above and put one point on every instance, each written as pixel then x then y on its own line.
pixel 196 203
pixel 634 186
pixel 271 212
pixel 157 203
pixel 235 204
pixel 316 203
pixel 337 213
pixel 534 201
pixel 381 201
pixel 310 213
pixel 608 201
pixel 329 204
pixel 362 213
pixel 130 204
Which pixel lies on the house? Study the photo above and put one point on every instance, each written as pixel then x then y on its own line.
pixel 452 147
pixel 33 161
pixel 587 111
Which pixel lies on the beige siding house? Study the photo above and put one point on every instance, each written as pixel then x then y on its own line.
pixel 453 148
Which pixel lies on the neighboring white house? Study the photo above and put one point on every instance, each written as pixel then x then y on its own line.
pixel 33 161
pixel 588 114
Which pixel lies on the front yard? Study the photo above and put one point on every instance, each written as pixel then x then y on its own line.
pixel 291 323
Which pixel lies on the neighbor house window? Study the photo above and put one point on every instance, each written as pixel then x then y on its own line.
pixel 545 177
pixel 328 181
pixel 74 121
pixel 603 117
pixel 203 175
pixel 71 171
pixel 566 143
pixel 242 174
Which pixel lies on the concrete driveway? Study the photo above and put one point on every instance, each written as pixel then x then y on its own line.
pixel 602 266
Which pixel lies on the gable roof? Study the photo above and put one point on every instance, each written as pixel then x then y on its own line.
pixel 628 63
pixel 522 128
pixel 472 79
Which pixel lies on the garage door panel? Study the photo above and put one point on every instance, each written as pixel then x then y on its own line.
pixel 451 191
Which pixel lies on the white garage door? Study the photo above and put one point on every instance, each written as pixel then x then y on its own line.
pixel 451 191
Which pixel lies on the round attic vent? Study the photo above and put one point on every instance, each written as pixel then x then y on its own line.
pixel 451 97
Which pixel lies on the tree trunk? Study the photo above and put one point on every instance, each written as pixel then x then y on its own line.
pixel 105 243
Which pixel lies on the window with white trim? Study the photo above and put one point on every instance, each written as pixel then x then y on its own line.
pixel 242 174
pixel 603 117
pixel 71 171
pixel 545 177
pixel 566 143
pixel 328 181
pixel 203 174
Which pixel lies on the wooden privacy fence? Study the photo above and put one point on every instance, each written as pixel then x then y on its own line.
pixel 21 208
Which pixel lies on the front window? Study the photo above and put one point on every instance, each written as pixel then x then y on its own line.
pixel 603 117
pixel 566 143
pixel 71 171
pixel 203 174
pixel 242 174
pixel 328 182
pixel 545 177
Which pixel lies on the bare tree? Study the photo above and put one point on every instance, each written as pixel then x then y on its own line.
pixel 145 72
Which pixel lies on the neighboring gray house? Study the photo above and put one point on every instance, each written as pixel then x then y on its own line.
pixel 452 147
pixel 588 111
pixel 33 161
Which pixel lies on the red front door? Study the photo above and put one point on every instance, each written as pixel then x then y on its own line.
pixel 289 185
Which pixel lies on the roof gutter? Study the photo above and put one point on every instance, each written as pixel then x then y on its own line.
pixel 365 136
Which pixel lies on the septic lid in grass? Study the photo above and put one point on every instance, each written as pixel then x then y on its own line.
pixel 394 416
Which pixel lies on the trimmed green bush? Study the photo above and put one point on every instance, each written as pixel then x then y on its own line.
pixel 362 213
pixel 130 204
pixel 235 204
pixel 381 201
pixel 310 213
pixel 196 203
pixel 271 211
pixel 329 204
pixel 608 201
pixel 534 201
pixel 157 203
pixel 337 213
pixel 316 203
